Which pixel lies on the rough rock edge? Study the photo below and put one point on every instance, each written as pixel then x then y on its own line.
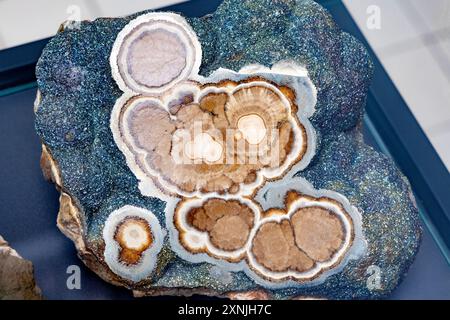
pixel 22 278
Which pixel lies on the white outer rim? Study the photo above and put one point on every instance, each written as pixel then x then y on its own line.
pixel 194 56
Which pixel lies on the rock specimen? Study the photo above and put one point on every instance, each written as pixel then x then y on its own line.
pixel 223 155
pixel 16 276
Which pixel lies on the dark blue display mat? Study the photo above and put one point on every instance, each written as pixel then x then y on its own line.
pixel 29 206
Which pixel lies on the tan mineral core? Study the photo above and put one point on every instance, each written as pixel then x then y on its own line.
pixel 311 235
pixel 318 232
pixel 274 248
pixel 215 112
pixel 228 223
pixel 149 55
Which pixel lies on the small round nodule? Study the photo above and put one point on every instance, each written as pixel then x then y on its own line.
pixel 253 128
pixel 154 53
pixel 227 222
pixel 133 239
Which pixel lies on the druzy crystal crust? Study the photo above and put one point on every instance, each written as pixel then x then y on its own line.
pixel 222 155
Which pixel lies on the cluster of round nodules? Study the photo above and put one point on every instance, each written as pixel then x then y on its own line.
pixel 226 137
pixel 134 236
pixel 299 242
pixel 207 147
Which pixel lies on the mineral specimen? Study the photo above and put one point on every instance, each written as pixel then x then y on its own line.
pixel 16 276
pixel 222 155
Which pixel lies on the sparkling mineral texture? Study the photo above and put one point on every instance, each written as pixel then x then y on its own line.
pixel 223 155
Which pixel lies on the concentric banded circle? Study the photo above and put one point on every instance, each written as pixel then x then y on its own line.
pixel 155 52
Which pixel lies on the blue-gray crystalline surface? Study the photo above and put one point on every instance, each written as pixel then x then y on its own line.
pixel 78 94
